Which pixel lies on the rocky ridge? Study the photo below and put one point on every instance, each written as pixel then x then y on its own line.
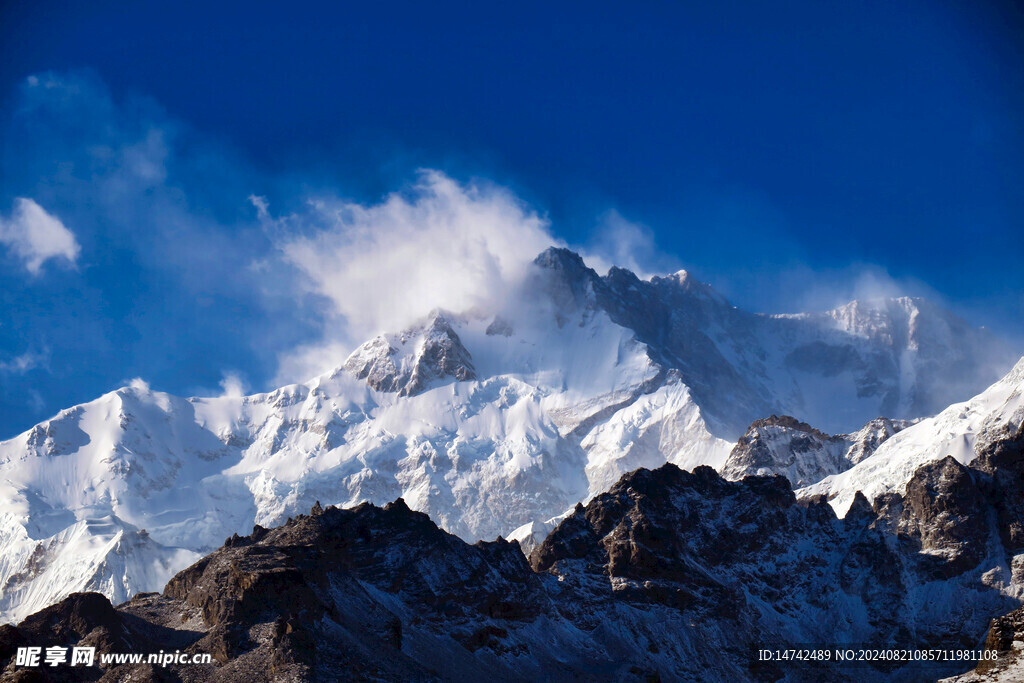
pixel 670 574
pixel 964 431
pixel 804 455
pixel 435 353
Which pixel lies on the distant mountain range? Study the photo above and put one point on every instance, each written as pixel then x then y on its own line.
pixel 499 422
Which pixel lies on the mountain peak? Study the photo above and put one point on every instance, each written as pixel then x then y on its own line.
pixel 598 376
pixel 661 574
pixel 685 281
pixel 408 362
pixel 560 258
pixel 876 312
pixel 804 455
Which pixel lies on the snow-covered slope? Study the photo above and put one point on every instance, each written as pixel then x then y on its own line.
pixel 480 456
pixel 899 358
pixel 100 554
pixel 961 430
pixel 485 420
pixel 663 426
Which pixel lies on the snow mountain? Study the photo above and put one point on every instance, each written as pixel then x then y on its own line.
pixel 437 354
pixel 799 452
pixel 485 420
pixel 962 431
pixel 669 575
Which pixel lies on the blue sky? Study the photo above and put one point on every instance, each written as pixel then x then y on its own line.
pixel 224 171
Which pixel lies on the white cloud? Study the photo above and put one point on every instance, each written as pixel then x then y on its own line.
pixel 145 161
pixel 36 401
pixel 803 288
pixel 35 236
pixel 262 206
pixel 30 360
pixel 442 244
pixel 308 361
pixel 139 385
pixel 233 385
pixel 627 244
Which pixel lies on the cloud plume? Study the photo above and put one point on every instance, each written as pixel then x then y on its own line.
pixel 441 244
pixel 618 241
pixel 25 362
pixel 35 236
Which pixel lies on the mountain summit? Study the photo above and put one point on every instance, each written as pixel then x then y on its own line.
pixel 898 358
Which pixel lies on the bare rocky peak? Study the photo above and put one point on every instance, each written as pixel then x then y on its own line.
pixel 408 363
pixel 804 455
pixel 787 447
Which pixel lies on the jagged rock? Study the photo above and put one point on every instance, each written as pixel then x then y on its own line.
pixel 409 362
pixel 87 620
pixel 1005 642
pixel 788 447
pixel 804 455
pixel 946 511
pixel 868 438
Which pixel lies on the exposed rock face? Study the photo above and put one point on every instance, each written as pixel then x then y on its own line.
pixel 999 471
pixel 1005 640
pixel 946 510
pixel 741 555
pixel 788 447
pixel 1003 463
pixel 89 620
pixel 801 453
pixel 367 593
pixel 409 362
pixel 670 575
